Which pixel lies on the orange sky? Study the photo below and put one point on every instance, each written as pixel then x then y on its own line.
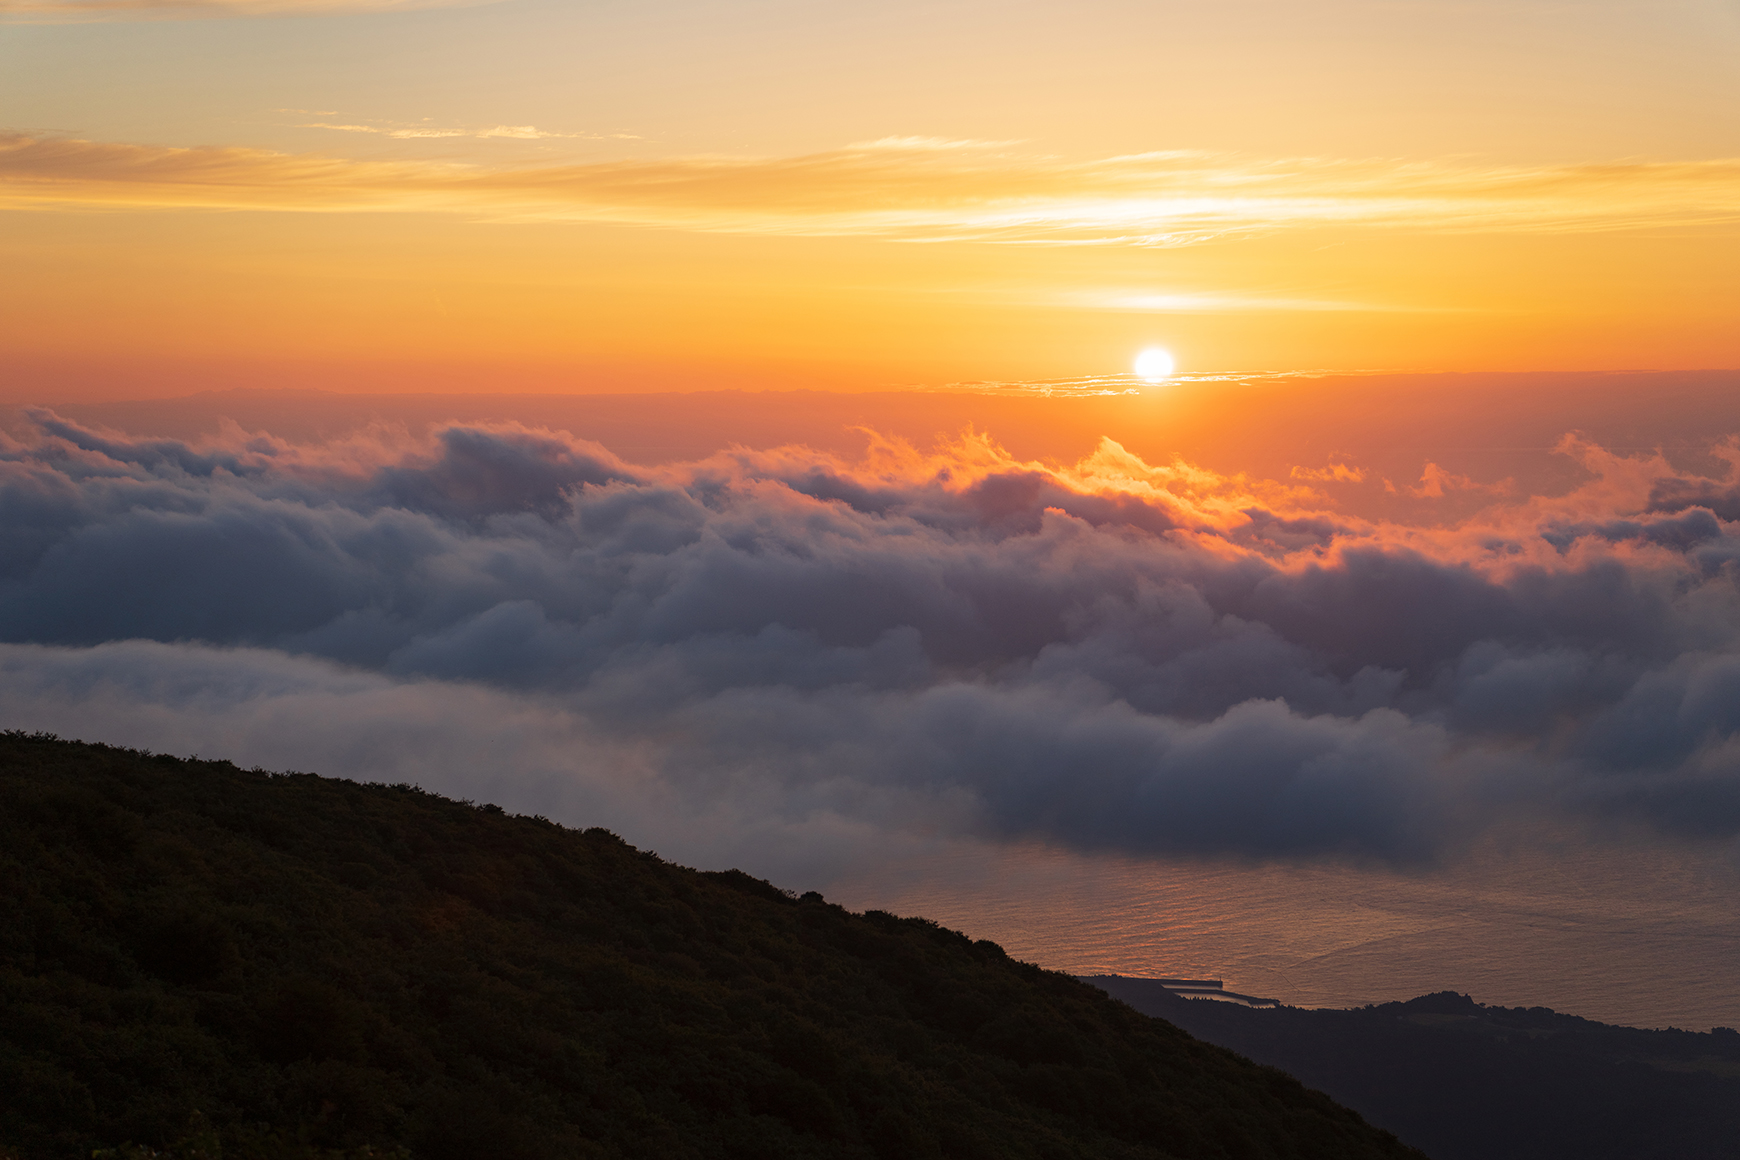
pixel 1401 250
pixel 518 196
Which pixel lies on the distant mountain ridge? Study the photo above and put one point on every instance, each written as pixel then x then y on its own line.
pixel 1465 1081
pixel 202 961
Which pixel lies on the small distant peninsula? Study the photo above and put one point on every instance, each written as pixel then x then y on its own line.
pixel 1466 1081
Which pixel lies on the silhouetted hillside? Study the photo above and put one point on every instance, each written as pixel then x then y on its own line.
pixel 197 957
pixel 1469 1082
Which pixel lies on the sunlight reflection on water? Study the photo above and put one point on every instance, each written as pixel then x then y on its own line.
pixel 1641 937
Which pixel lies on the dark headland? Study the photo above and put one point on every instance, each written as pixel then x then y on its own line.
pixel 197 960
pixel 1465 1081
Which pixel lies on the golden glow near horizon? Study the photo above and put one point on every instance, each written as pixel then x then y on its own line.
pixel 523 195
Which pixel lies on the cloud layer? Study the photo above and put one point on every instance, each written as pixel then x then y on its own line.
pixel 915 189
pixel 783 647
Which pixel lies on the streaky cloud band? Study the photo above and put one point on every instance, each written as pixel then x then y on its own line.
pixel 907 190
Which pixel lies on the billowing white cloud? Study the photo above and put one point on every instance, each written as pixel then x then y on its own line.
pixel 782 649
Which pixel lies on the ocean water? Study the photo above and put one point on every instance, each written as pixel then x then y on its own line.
pixel 1627 934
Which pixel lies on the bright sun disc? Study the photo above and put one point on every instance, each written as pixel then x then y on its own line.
pixel 1154 364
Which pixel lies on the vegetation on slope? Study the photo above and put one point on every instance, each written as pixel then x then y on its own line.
pixel 287 965
pixel 1470 1082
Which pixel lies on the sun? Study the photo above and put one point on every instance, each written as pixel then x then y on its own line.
pixel 1154 364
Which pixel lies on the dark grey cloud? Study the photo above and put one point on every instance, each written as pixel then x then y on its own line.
pixel 1145 662
pixel 1673 494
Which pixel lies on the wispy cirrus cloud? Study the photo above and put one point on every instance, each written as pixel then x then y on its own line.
pixel 932 144
pixel 404 132
pixel 899 190
pixel 1218 302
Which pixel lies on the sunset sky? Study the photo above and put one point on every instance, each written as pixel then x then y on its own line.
pixel 554 196
pixel 716 422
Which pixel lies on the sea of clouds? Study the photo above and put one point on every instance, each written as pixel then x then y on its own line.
pixel 793 662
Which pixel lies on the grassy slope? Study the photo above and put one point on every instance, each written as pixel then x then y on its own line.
pixel 315 964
